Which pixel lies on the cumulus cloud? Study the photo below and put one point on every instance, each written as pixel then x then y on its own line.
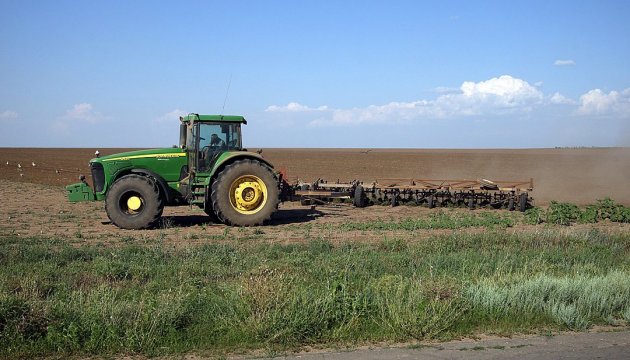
pixel 504 86
pixel 496 96
pixel 564 62
pixel 171 116
pixel 597 102
pixel 8 115
pixel 294 107
pixel 504 96
pixel 558 98
pixel 83 112
pixel 79 113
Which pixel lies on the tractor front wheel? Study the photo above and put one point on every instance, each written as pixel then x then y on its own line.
pixel 134 202
pixel 245 193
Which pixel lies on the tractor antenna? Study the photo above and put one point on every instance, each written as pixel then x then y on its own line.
pixel 227 91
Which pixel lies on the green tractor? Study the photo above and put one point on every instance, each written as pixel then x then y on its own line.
pixel 209 169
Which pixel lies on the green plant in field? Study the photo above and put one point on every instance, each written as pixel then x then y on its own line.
pixel 562 213
pixel 608 209
pixel 589 215
pixel 534 216
pixel 567 213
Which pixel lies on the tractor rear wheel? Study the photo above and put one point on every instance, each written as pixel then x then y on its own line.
pixel 245 193
pixel 134 202
pixel 210 212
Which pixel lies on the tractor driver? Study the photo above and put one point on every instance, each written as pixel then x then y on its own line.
pixel 216 141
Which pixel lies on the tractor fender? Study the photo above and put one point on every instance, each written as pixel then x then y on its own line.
pixel 230 158
pixel 161 183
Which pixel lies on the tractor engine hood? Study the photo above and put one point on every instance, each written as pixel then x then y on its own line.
pixel 166 164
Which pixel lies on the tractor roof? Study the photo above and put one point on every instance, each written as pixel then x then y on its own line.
pixel 220 118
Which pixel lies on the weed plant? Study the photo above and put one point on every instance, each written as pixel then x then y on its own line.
pixel 560 213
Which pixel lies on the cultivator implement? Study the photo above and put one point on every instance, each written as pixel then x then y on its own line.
pixel 511 195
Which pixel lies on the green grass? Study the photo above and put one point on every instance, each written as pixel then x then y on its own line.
pixel 153 299
pixel 440 219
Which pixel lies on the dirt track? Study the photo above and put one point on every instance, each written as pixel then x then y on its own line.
pixel 574 175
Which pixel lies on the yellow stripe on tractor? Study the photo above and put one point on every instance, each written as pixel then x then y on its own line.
pixel 147 156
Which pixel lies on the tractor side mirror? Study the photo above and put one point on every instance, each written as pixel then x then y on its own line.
pixel 182 135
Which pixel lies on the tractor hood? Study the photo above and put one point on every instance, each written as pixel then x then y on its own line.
pixel 165 153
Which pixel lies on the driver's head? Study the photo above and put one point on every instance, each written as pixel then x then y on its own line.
pixel 214 138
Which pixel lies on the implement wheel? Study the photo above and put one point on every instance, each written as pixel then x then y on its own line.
pixel 522 202
pixel 134 202
pixel 245 193
pixel 360 199
pixel 431 202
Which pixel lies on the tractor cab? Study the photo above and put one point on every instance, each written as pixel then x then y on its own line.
pixel 207 137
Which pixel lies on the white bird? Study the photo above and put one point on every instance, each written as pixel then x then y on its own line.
pixel 7 163
pixel 21 175
pixel 19 166
pixel 57 171
pixel 33 163
pixel 97 153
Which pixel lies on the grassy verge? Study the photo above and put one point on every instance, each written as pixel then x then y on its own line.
pixel 151 299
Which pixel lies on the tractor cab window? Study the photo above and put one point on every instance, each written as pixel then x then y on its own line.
pixel 216 138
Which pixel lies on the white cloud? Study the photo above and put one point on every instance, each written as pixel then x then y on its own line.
pixel 8 115
pixel 496 96
pixel 505 89
pixel 445 90
pixel 564 62
pixel 83 112
pixel 171 116
pixel 597 102
pixel 79 113
pixel 294 107
pixel 504 96
pixel 558 98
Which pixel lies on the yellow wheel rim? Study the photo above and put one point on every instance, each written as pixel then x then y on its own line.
pixel 134 203
pixel 248 194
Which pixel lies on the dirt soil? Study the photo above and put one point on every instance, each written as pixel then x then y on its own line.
pixel 574 175
pixel 43 210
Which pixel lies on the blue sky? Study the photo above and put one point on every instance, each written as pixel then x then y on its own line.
pixel 449 74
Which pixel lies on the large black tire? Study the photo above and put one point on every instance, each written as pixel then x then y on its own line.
pixel 210 212
pixel 360 199
pixel 130 189
pixel 431 202
pixel 511 203
pixel 522 202
pixel 224 193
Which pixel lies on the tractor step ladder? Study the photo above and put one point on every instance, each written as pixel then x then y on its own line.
pixel 198 192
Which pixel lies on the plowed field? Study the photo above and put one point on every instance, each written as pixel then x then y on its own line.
pixel 574 175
